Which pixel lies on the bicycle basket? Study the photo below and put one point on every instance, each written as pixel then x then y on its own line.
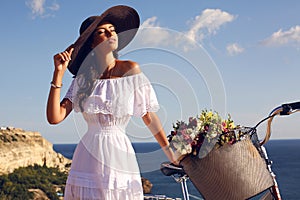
pixel 230 172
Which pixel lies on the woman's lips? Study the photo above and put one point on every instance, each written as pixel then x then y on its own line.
pixel 112 40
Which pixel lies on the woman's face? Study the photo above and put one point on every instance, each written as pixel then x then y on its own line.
pixel 105 34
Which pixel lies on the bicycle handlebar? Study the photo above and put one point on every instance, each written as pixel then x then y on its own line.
pixel 284 109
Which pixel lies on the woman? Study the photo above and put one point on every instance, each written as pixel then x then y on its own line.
pixel 107 92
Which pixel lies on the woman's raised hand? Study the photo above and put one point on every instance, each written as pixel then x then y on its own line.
pixel 61 60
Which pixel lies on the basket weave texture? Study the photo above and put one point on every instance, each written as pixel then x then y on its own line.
pixel 232 172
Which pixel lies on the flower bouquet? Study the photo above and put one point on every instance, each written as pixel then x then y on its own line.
pixel 204 132
pixel 219 157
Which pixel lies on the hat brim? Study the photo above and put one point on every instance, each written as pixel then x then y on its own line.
pixel 126 21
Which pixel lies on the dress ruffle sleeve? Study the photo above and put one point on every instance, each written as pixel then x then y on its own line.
pixel 144 97
pixel 129 95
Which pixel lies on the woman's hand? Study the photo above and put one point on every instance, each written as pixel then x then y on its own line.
pixel 61 60
pixel 170 155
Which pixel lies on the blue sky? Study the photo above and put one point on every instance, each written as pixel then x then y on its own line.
pixel 250 48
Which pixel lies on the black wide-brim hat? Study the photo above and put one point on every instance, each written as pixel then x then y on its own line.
pixel 126 21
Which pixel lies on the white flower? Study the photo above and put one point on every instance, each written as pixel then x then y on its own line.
pixel 180 145
pixel 192 133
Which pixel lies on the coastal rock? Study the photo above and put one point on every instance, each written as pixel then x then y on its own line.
pixel 147 186
pixel 20 148
pixel 38 194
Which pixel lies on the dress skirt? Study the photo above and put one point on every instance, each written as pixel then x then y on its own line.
pixel 104 166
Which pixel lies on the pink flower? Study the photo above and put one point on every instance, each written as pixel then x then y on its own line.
pixel 224 124
pixel 192 122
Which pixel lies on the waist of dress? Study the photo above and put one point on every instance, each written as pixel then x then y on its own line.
pixel 97 129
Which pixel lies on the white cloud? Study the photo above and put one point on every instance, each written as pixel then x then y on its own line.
pixel 150 23
pixel 39 9
pixel 55 6
pixel 234 49
pixel 291 36
pixel 208 23
pixel 152 33
pixel 36 6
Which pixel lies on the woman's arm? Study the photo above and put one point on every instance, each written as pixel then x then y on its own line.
pixel 153 123
pixel 57 111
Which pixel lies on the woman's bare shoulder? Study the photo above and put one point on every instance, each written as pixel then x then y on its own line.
pixel 130 67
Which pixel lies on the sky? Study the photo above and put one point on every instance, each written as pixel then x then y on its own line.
pixel 236 57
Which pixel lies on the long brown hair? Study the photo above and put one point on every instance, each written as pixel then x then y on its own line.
pixel 88 73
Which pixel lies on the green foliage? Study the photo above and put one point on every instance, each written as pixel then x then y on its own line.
pixel 16 185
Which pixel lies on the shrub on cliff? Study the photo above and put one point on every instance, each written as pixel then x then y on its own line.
pixel 17 184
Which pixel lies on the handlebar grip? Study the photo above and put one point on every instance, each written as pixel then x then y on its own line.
pixel 288 107
pixel 295 105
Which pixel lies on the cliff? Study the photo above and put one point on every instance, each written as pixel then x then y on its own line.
pixel 20 148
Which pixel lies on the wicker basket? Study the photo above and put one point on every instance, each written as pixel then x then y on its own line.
pixel 230 172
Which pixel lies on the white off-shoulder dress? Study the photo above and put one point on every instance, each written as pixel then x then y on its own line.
pixel 104 164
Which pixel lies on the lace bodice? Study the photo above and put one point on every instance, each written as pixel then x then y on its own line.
pixel 113 101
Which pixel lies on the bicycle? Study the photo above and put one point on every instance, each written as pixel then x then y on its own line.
pixel 271 193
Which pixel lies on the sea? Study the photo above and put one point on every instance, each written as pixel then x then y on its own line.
pixel 285 155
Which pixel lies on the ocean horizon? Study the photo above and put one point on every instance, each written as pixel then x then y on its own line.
pixel 285 155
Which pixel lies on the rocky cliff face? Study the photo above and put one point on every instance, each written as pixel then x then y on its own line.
pixel 20 148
